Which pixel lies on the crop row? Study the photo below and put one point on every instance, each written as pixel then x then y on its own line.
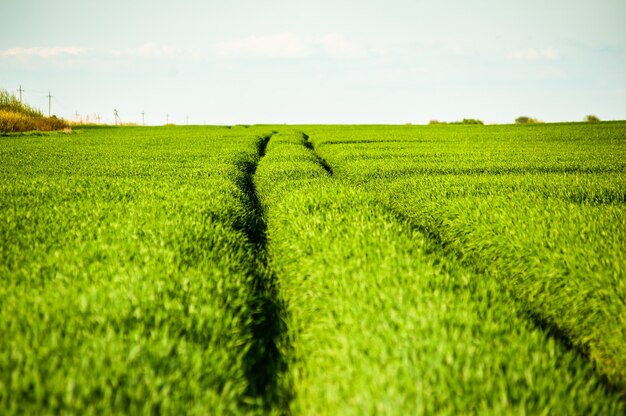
pixel 127 272
pixel 381 320
pixel 540 210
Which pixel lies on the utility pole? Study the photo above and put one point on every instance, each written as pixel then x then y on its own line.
pixel 21 91
pixel 167 118
pixel 49 104
pixel 117 117
pixel 76 114
pixel 98 118
pixel 143 120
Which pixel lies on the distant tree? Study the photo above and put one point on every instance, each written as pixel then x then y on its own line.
pixel 527 120
pixel 464 121
pixel 471 121
pixel 522 120
pixel 590 118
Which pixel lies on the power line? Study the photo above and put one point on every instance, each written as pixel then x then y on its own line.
pixel 49 104
pixel 21 91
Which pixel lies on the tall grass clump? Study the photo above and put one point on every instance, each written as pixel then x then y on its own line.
pixel 18 117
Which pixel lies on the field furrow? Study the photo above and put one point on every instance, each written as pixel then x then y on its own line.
pixel 265 362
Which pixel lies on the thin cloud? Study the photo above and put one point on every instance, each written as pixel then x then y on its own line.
pixel 42 52
pixel 282 45
pixel 535 54
pixel 339 46
pixel 292 46
pixel 148 50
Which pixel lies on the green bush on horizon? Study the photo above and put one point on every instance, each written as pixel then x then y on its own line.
pixel 527 120
pixel 464 121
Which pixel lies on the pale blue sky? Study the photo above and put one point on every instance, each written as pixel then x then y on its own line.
pixel 279 61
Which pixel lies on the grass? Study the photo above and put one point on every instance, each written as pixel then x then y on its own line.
pixel 314 270
pixel 536 210
pixel 127 272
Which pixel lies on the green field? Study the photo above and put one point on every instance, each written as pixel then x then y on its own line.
pixel 445 269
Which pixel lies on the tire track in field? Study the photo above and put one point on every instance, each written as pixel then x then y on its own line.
pixel 531 317
pixel 309 145
pixel 264 362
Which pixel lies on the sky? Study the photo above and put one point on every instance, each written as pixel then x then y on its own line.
pixel 322 61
